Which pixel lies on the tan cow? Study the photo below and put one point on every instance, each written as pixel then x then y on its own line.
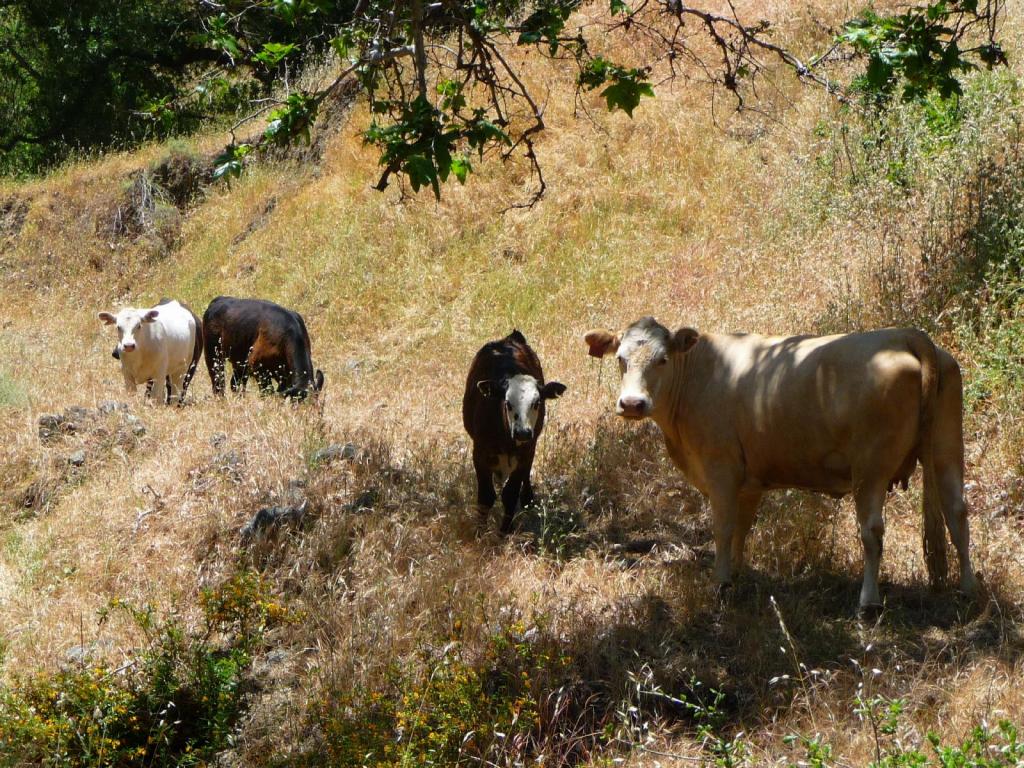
pixel 742 414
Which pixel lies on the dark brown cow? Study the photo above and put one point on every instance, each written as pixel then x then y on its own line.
pixel 503 412
pixel 261 339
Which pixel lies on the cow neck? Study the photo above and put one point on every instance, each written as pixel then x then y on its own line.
pixel 671 412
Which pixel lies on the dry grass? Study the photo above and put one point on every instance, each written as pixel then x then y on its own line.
pixel 715 227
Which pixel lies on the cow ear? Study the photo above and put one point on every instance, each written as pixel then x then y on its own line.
pixel 552 390
pixel 107 318
pixel 684 339
pixel 150 316
pixel 601 343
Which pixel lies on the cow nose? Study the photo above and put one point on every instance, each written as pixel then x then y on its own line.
pixel 632 406
pixel 522 433
pixel 128 347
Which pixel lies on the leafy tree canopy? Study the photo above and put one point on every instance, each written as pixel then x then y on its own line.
pixel 443 78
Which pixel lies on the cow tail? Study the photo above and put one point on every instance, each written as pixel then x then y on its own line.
pixel 933 534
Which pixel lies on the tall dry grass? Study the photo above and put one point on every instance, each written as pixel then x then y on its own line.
pixel 750 224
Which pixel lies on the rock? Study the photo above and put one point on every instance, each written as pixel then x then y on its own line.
pixel 227 460
pixel 217 439
pixel 273 517
pixel 50 421
pixel 137 427
pixel 77 458
pixel 111 406
pixel 363 502
pixel 276 657
pixel 50 426
pixel 334 452
pixel 72 420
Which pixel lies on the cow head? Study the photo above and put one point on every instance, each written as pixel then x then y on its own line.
pixel 521 397
pixel 645 351
pixel 301 392
pixel 129 322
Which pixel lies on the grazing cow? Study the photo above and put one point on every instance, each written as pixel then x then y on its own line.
pixel 261 339
pixel 743 414
pixel 503 412
pixel 161 344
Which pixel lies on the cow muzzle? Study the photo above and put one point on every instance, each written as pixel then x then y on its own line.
pixel 127 347
pixel 633 407
pixel 522 436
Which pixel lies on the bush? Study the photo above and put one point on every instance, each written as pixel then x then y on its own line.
pixel 455 712
pixel 174 704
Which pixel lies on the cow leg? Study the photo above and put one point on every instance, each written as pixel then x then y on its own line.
pixel 869 498
pixel 724 515
pixel 149 389
pixel 746 510
pixel 526 496
pixel 239 377
pixel 485 495
pixel 214 354
pixel 264 379
pixel 524 465
pixel 955 511
pixel 178 385
pixel 165 384
pixel 510 497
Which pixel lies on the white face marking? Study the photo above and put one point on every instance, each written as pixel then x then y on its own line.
pixel 642 357
pixel 128 322
pixel 522 406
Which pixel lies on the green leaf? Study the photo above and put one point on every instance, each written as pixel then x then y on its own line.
pixel 626 94
pixel 273 53
pixel 461 168
pixel 421 172
pixel 229 163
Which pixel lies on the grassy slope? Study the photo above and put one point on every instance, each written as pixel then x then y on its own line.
pixel 666 214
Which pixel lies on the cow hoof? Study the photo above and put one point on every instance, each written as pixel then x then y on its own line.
pixel 871 612
pixel 725 593
pixel 971 587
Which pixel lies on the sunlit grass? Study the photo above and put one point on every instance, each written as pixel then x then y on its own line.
pixel 737 226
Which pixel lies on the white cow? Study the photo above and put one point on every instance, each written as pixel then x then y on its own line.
pixel 161 345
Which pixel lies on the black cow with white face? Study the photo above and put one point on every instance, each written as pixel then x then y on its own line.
pixel 503 412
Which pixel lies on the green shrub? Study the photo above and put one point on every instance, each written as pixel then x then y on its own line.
pixel 174 704
pixel 984 747
pixel 457 711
